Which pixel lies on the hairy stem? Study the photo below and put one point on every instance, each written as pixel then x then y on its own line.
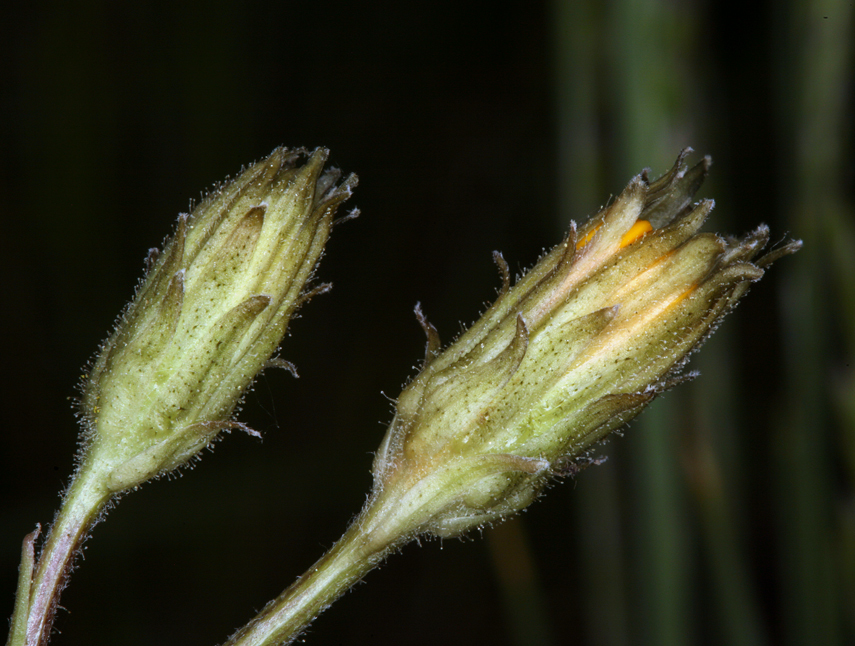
pixel 82 505
pixel 362 548
pixel 18 629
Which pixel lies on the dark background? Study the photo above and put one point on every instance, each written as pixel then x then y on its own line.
pixel 725 516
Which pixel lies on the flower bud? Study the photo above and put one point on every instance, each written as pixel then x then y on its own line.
pixel 579 346
pixel 209 315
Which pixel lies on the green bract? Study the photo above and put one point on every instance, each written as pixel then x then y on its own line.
pixel 581 344
pixel 211 312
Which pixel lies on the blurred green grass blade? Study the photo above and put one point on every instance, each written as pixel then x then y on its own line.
pixel 577 38
pixel 663 584
pixel 814 51
pixel 715 465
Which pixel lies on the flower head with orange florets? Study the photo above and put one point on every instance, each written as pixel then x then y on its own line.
pixel 579 346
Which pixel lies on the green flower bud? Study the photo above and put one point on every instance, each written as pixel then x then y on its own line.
pixel 579 346
pixel 209 315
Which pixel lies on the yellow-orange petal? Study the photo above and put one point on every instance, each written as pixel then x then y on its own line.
pixel 581 243
pixel 635 232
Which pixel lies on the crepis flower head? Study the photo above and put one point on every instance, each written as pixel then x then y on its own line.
pixel 208 317
pixel 579 346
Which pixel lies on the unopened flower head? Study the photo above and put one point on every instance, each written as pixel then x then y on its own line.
pixel 209 315
pixel 580 345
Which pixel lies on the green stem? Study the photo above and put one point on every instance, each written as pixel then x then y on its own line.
pixel 362 548
pixel 18 630
pixel 82 505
